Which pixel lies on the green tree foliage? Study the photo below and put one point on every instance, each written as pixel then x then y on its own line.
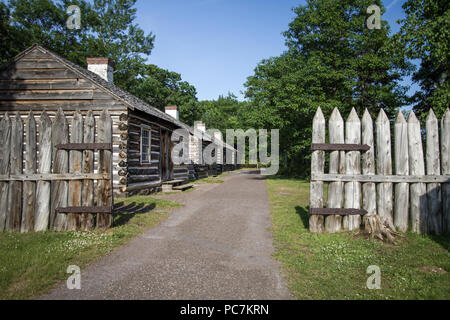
pixel 333 60
pixel 160 88
pixel 227 112
pixel 425 36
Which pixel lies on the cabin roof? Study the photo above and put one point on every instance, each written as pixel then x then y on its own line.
pixel 127 98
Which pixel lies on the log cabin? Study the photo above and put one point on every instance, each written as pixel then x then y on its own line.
pixel 38 79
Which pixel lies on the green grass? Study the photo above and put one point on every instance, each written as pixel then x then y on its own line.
pixel 32 263
pixel 333 266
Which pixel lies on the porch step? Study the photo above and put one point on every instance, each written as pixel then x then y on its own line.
pixel 173 182
pixel 183 187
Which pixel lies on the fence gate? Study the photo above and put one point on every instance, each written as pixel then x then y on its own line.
pixel 54 174
pixel 361 181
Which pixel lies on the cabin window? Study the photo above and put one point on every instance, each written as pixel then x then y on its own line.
pixel 145 145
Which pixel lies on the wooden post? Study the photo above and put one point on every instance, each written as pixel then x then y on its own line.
pixel 42 215
pixel 433 168
pixel 29 187
pixel 87 219
pixel 75 163
pixel 384 167
pixel 445 155
pixel 352 199
pixel 60 135
pixel 317 166
pixel 401 168
pixel 418 195
pixel 369 201
pixel 104 188
pixel 13 219
pixel 337 165
pixel 5 150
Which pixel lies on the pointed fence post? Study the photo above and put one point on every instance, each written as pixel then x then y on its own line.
pixel 445 155
pixel 352 166
pixel 13 219
pixel 317 167
pixel 337 166
pixel 5 150
pixel 401 206
pixel 433 168
pixel 42 214
pixel 384 167
pixel 87 219
pixel 75 163
pixel 104 188
pixel 418 197
pixel 29 187
pixel 369 201
pixel 60 135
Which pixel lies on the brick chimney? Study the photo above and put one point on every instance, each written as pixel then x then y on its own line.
pixel 173 112
pixel 103 67
pixel 200 126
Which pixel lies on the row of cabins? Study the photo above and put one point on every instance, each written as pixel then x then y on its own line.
pixel 38 79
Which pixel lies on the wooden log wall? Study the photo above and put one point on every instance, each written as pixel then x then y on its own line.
pixel 415 197
pixel 44 186
pixel 40 82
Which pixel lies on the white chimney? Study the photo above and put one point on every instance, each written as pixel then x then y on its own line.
pixel 103 67
pixel 200 126
pixel 173 112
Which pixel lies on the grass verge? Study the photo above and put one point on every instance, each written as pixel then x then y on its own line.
pixel 333 266
pixel 32 263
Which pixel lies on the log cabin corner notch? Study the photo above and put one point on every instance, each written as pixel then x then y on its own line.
pixel 38 79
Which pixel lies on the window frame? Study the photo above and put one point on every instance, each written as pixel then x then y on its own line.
pixel 149 154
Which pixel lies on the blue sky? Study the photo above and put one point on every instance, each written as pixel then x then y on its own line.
pixel 216 44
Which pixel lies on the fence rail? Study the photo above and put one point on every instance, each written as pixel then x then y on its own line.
pixel 361 179
pixel 47 178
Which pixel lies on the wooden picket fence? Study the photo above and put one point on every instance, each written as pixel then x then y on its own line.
pixel 47 178
pixel 360 179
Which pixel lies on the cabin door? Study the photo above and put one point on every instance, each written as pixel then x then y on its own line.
pixel 165 155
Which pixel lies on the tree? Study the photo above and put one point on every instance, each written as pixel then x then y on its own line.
pixel 333 60
pixel 424 35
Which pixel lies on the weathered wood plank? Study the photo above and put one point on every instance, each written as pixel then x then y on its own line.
pixel 29 187
pixel 445 156
pixel 66 105
pixel 369 201
pixel 401 205
pixel 5 150
pixel 13 219
pixel 42 214
pixel 380 178
pixel 337 165
pixel 38 64
pixel 75 167
pixel 71 94
pixel 348 212
pixel 55 84
pixel 433 168
pixel 53 177
pixel 26 74
pixel 352 196
pixel 384 167
pixel 85 146
pixel 339 147
pixel 418 197
pixel 105 192
pixel 60 134
pixel 88 219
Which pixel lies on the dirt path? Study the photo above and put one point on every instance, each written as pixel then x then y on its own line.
pixel 218 246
